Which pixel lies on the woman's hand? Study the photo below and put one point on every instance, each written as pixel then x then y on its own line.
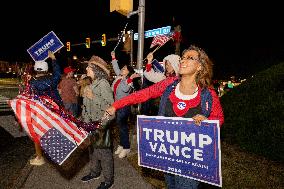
pixel 198 118
pixel 150 57
pixel 89 93
pixel 110 111
pixel 112 54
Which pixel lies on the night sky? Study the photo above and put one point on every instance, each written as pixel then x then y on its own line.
pixel 240 39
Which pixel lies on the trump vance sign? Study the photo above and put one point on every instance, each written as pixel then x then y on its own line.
pixel 178 146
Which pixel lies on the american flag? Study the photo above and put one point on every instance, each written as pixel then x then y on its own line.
pixel 57 136
pixel 160 40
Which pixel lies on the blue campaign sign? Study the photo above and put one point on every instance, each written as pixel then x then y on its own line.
pixel 154 32
pixel 39 51
pixel 178 146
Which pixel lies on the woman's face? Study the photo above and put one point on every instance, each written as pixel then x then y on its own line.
pixel 90 72
pixel 124 71
pixel 169 68
pixel 189 64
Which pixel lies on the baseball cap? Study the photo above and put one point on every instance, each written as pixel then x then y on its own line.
pixel 68 70
pixel 40 66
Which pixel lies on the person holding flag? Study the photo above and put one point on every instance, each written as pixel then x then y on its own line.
pixel 155 72
pixel 44 84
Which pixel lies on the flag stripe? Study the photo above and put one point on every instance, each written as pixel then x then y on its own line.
pixel 39 131
pixel 159 40
pixel 53 120
pixel 70 125
pixel 30 125
pixel 40 125
pixel 22 118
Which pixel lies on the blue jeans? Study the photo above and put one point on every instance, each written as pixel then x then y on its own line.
pixel 71 107
pixel 179 182
pixel 122 116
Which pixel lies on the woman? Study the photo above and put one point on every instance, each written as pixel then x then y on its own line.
pixel 97 97
pixel 188 89
pixel 122 86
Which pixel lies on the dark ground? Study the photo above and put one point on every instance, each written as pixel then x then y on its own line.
pixel 14 154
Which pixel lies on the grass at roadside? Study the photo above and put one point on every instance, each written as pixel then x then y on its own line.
pixel 9 81
pixel 9 87
pixel 239 170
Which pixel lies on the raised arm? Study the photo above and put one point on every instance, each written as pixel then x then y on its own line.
pixel 56 75
pixel 114 63
pixel 140 96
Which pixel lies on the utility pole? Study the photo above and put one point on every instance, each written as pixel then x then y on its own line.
pixel 141 21
pixel 131 48
pixel 141 10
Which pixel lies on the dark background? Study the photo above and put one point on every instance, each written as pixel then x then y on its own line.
pixel 241 39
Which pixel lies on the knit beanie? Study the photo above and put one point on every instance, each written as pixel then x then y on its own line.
pixel 173 59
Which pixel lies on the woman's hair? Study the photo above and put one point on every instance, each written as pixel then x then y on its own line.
pixel 135 81
pixel 99 72
pixel 130 69
pixel 204 76
pixel 83 83
pixel 87 80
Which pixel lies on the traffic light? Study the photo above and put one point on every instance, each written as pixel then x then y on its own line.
pixel 121 6
pixel 103 40
pixel 88 43
pixel 68 46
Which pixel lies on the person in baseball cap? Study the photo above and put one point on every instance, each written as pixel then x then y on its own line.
pixel 68 70
pixel 41 66
pixel 69 91
pixel 45 84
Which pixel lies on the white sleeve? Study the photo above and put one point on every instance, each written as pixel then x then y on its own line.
pixel 154 77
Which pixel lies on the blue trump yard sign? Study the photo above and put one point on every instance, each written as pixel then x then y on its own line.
pixel 178 146
pixel 39 51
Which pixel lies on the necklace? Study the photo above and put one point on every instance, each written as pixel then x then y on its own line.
pixel 195 91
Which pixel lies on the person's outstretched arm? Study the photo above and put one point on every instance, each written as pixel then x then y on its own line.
pixel 140 96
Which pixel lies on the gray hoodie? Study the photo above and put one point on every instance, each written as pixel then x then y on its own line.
pixel 123 89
